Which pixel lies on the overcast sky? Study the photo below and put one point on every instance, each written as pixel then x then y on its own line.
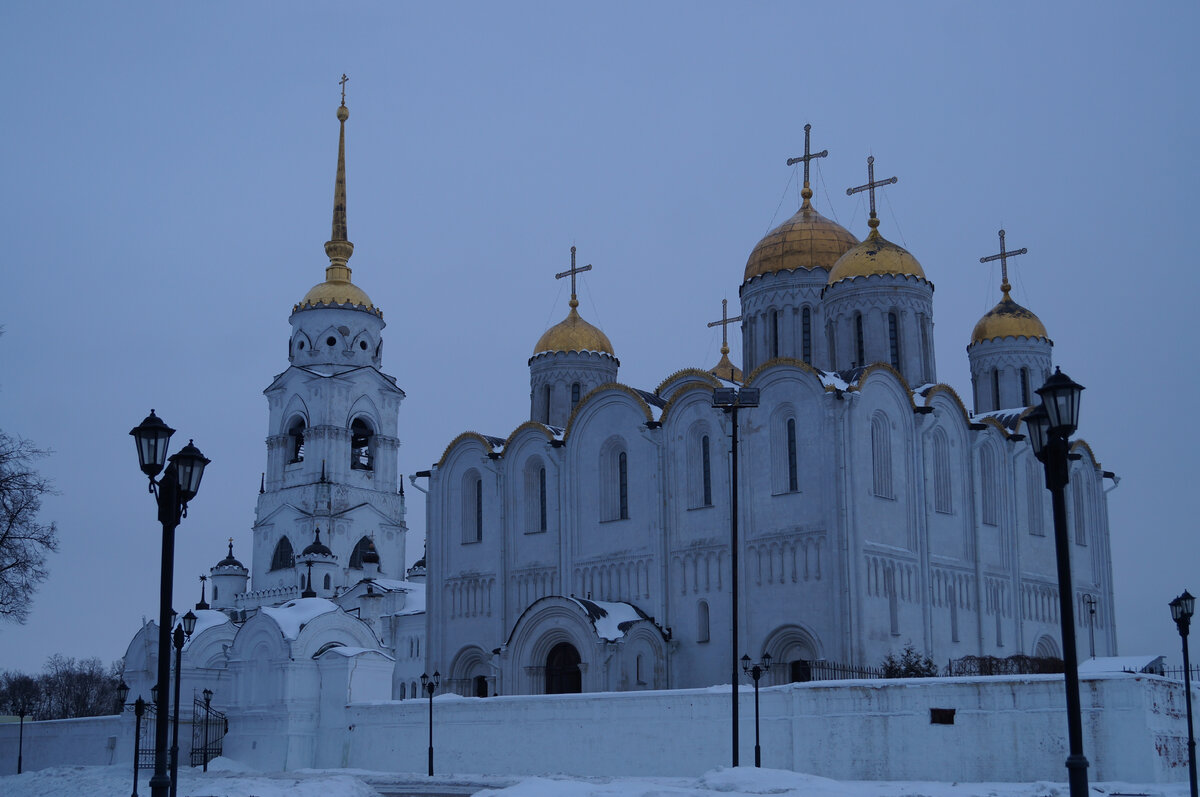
pixel 168 173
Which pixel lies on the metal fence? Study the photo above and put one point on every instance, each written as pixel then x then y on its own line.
pixel 209 727
pixel 1177 673
pixel 145 744
pixel 1012 665
pixel 822 670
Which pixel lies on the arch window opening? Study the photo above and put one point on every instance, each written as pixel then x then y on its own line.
pixel 623 485
pixel 1025 387
pixel 296 443
pixel 472 507
pixel 575 391
pixel 563 676
pixel 859 345
pixel 894 341
pixel 362 439
pixel 793 467
pixel 995 389
pixel 541 499
pixel 706 470
pixel 356 556
pixel 480 686
pixel 806 334
pixel 546 397
pixel 284 556
pixel 881 457
pixel 774 333
pixel 479 510
pixel 702 622
pixel 989 488
pixel 327 581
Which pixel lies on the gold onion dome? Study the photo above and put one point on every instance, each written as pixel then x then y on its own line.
pixel 337 289
pixel 875 256
pixel 1008 320
pixel 573 334
pixel 725 369
pixel 807 240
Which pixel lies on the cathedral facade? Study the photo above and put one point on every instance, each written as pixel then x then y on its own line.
pixel 590 548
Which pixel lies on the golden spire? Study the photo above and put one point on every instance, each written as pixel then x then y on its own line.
pixel 339 247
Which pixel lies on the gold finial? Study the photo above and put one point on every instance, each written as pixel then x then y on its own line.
pixel 571 272
pixel 805 158
pixel 871 185
pixel 338 247
pixel 1003 258
pixel 724 325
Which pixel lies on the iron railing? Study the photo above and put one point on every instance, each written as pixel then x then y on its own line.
pixel 209 727
pixel 1011 665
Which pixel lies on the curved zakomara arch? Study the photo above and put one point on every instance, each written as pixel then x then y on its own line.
pixel 295 406
pixel 1082 445
pixel 681 394
pixel 259 632
pixel 335 626
pixel 953 396
pixel 607 387
pixel 206 649
pixel 685 373
pixel 466 662
pixel 364 408
pixel 875 368
pixel 786 361
pixel 465 436
pixel 1046 646
pixel 536 425
pixel 990 421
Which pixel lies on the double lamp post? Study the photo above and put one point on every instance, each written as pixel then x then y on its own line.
pixel 1182 609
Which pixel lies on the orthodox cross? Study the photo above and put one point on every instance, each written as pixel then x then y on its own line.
pixel 726 320
pixel 571 272
pixel 1003 258
pixel 871 185
pixel 343 81
pixel 807 157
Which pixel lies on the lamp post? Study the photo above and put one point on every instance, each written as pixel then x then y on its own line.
pixel 22 710
pixel 208 693
pixel 139 708
pixel 1091 604
pixel 178 486
pixel 183 631
pixel 756 671
pixel 1181 612
pixel 729 400
pixel 430 686
pixel 1050 425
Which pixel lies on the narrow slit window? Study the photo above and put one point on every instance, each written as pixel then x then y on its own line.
pixel 793 469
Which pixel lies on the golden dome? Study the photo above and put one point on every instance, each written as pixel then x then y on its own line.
pixel 726 369
pixel 337 292
pixel 806 240
pixel 1008 319
pixel 573 334
pixel 876 255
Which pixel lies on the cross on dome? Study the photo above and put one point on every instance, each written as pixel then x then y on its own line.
pixel 571 272
pixel 1003 258
pixel 344 81
pixel 806 157
pixel 726 320
pixel 870 187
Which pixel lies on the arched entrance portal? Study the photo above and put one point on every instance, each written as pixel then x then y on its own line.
pixel 480 684
pixel 563 676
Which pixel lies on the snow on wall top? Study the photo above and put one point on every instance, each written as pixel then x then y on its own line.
pixel 294 615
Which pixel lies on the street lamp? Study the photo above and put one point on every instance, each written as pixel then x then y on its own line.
pixel 1181 612
pixel 178 486
pixel 756 671
pixel 183 631
pixel 139 708
pixel 430 686
pixel 1091 604
pixel 208 693
pixel 729 400
pixel 22 710
pixel 1050 425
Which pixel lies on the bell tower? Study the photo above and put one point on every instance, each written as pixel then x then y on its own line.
pixel 332 437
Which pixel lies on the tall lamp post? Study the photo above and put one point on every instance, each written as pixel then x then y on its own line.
pixel 22 710
pixel 729 400
pixel 183 632
pixel 208 693
pixel 1090 600
pixel 178 486
pixel 430 686
pixel 756 671
pixel 1181 612
pixel 1050 427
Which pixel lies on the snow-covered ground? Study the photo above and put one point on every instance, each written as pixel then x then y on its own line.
pixel 228 779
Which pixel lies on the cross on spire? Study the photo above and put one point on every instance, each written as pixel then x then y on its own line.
pixel 724 324
pixel 343 81
pixel 571 272
pixel 871 185
pixel 806 157
pixel 1003 258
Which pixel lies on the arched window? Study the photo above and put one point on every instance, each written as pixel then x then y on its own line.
pixel 360 548
pixel 535 496
pixel 702 624
pixel 541 499
pixel 623 484
pixel 296 443
pixel 881 457
pixel 546 394
pixel 403 691
pixel 859 345
pixel 894 340
pixel 989 501
pixel 706 470
pixel 575 389
pixel 774 333
pixel 327 581
pixel 284 556
pixel 413 689
pixel 943 499
pixel 362 438
pixel 1034 486
pixel 638 674
pixel 1080 513
pixel 472 507
pixel 1024 387
pixel 806 334
pixel 995 389
pixel 214 593
pixel 480 684
pixel 614 481
pixel 793 469
pixel 563 675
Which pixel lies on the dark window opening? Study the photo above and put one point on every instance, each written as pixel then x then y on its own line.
pixel 284 557
pixel 1025 387
pixel 623 485
pixel 806 334
pixel 706 468
pixel 296 444
pixel 800 671
pixel 995 389
pixel 563 676
pixel 542 499
pixel 327 581
pixel 574 396
pixel 941 716
pixel 793 469
pixel 480 686
pixel 331 341
pixel 356 556
pixel 774 333
pixel 859 347
pixel 362 344
pixel 479 510
pixel 361 439
pixel 894 340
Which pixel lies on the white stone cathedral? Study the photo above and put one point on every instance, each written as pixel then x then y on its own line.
pixel 589 549
pixel 327 605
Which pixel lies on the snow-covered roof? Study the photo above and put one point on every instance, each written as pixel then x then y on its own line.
pixel 611 620
pixel 294 615
pixel 205 619
pixel 350 652
pixel 1144 663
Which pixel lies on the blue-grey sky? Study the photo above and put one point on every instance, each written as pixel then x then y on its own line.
pixel 169 177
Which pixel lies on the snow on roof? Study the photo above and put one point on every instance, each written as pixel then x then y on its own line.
pixel 205 619
pixel 611 620
pixel 414 602
pixel 833 380
pixel 351 652
pixel 1150 664
pixel 292 616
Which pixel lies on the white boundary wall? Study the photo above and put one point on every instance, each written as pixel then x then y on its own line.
pixel 1005 729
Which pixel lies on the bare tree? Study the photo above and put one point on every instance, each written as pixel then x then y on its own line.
pixel 24 542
